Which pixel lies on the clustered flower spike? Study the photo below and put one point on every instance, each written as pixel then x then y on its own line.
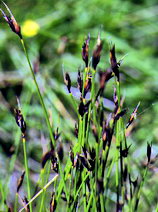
pixel 87 85
pixel 114 64
pixel 149 146
pixel 97 53
pixel 11 21
pixel 20 121
pixel 83 108
pixel 67 82
pixel 85 49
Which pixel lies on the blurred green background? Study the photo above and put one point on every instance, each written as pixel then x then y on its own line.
pixel 59 30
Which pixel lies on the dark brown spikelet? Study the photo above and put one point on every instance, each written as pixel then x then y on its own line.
pixel 60 151
pixel 67 82
pixel 48 156
pixel 85 49
pixel 20 121
pixel 124 152
pixel 54 163
pixel 11 21
pixel 53 203
pixel 20 181
pixel 85 162
pixel 27 208
pixel 133 116
pixel 56 134
pixel 113 61
pixel 80 81
pixel 87 85
pixel 120 114
pixel 97 53
pixel 83 108
pixel 104 77
pixel 149 146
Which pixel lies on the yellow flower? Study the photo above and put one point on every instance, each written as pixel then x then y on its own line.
pixel 30 28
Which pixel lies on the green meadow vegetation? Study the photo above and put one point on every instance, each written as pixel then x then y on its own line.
pixel 78 105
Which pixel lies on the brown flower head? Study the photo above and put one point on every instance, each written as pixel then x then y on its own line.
pixel 20 121
pixel 85 49
pixel 67 81
pixel 97 53
pixel 113 61
pixel 11 21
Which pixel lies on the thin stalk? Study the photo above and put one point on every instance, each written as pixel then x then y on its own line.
pixel 91 105
pixel 17 145
pixel 118 141
pixel 39 93
pixel 80 187
pixel 102 203
pixel 92 198
pixel 27 171
pixel 40 192
pixel 90 201
pixel 74 103
pixel 107 180
pixel 83 131
pixel 80 134
pixel 69 192
pixel 2 196
pixel 140 190
pixel 44 179
pixel 84 189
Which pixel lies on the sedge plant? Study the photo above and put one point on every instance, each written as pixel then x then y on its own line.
pixel 96 175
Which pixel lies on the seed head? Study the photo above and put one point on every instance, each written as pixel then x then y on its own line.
pixel 87 85
pixel 97 53
pixel 85 49
pixel 80 82
pixel 20 121
pixel 113 61
pixel 149 146
pixel 83 108
pixel 11 21
pixel 68 82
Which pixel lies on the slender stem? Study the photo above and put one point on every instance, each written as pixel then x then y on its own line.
pixel 42 190
pixel 27 171
pixel 140 190
pixel 39 93
pixel 77 193
pixel 118 144
pixel 2 192
pixel 44 179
